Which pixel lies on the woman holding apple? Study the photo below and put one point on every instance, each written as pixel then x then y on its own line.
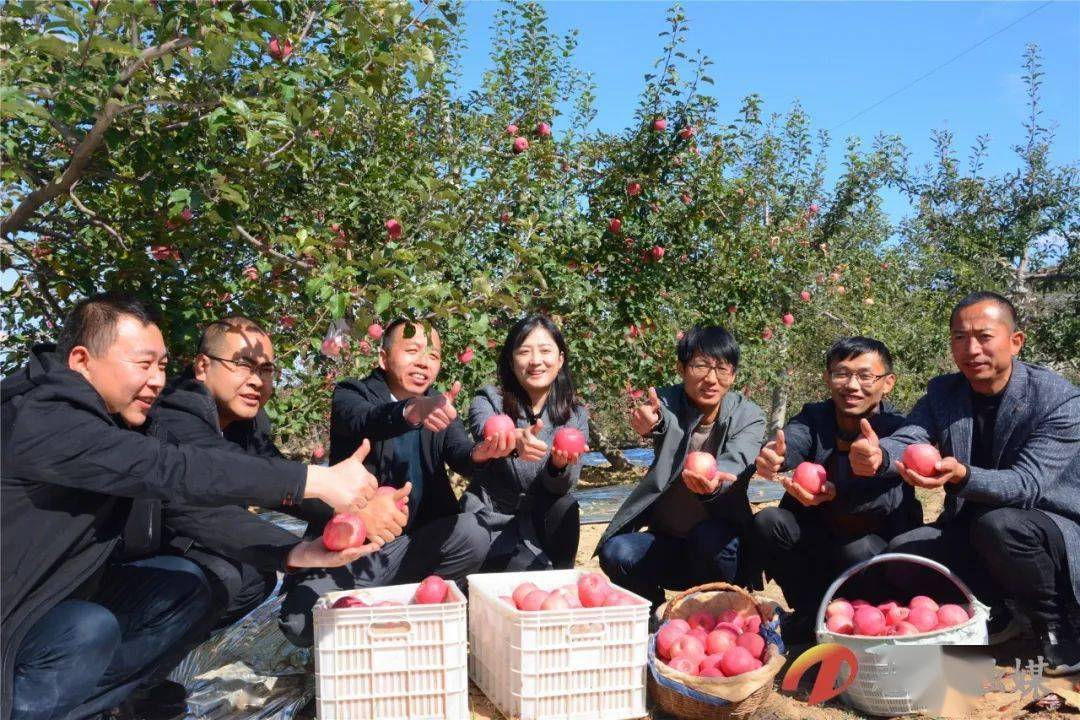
pixel 524 500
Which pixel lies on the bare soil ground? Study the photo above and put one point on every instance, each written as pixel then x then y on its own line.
pixel 782 706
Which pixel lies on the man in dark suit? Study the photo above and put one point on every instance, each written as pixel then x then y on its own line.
pixel 415 433
pixel 1009 436
pixel 811 538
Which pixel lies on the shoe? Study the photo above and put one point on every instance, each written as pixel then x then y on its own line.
pixel 1002 626
pixel 1060 651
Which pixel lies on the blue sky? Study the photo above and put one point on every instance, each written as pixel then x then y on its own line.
pixel 838 58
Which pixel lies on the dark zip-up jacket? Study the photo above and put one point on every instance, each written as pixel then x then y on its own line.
pixel 365 409
pixel 68 473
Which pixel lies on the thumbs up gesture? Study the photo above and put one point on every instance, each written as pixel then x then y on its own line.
pixel 528 445
pixel 435 412
pixel 865 453
pixel 644 418
pixel 771 457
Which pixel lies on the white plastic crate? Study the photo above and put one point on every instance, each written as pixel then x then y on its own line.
pixel 575 664
pixel 391 663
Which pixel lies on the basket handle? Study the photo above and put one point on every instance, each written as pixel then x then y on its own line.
pixel 710 587
pixel 892 557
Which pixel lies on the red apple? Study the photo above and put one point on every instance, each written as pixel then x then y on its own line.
pixel 331 347
pixel 687 132
pixel 903 628
pixel 543 130
pixel 805 295
pixel 659 124
pixel 520 145
pixel 555 601
pixel 721 639
pixel 788 319
pixel 568 440
pixel 766 334
pixel 593 589
pixel 896 615
pixel 869 620
pixel 187 214
pixel 465 356
pixel 923 602
pixel 505 218
pixel 736 661
pixel 688 646
pixel 753 624
pixel 344 530
pixel 393 229
pixel 498 424
pixel 686 665
pixel 813 209
pixel 839 606
pixel 668 633
pixel 840 624
pixel 923 618
pixel 657 252
pixel 921 458
pixel 533 601
pixel 702 463
pixel 687 198
pixel 348 601
pixel 949 615
pixel 752 642
pixel 809 476
pixel 733 617
pixel 279 50
pixel 633 188
pixel 703 620
pixel 710 666
pixel 518 596
pixel 511 129
pixel 432 591
pixel 635 331
pixel 614 225
pixel 617 599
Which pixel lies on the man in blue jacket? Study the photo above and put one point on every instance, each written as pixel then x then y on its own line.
pixel 1009 437
pixel 806 542
pixel 694 522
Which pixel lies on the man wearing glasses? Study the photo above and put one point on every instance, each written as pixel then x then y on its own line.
pixel 217 402
pixel 693 520
pixel 811 538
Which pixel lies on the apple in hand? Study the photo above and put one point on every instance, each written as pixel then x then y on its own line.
pixel 569 440
pixel 922 458
pixel 497 425
pixel 809 476
pixel 701 463
pixel 345 530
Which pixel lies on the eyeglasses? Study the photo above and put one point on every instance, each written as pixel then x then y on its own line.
pixel 865 378
pixel 247 368
pixel 700 371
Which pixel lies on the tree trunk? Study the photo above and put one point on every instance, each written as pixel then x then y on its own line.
pixel 600 443
pixel 778 413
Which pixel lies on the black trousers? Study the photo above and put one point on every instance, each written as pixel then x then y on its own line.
pixel 1001 553
pixel 805 555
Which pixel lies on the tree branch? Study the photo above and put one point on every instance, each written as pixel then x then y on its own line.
pixel 95 219
pixel 80 158
pixel 265 247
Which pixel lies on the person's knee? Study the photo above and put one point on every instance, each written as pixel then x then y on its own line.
pixel 713 538
pixel 997 530
pixel 473 538
pixel 771 526
pixel 94 632
pixel 187 585
pixel 857 551
pixel 617 555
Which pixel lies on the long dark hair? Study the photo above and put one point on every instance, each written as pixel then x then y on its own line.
pixel 561 398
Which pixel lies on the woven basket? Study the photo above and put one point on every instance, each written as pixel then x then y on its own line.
pixel 695 698
pixel 876 689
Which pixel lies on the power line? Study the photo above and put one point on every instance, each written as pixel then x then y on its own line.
pixel 947 62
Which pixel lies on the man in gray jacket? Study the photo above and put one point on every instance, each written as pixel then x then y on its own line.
pixel 694 521
pixel 1009 436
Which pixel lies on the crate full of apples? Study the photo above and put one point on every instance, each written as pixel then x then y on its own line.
pixel 393 653
pixel 558 643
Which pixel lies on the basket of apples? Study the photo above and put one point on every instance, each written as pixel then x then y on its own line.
pixel 715 654
pixel 918 619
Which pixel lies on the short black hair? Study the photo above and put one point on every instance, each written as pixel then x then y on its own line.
pixel 711 341
pixel 212 335
pixel 388 333
pixel 850 347
pixel 985 296
pixel 92 322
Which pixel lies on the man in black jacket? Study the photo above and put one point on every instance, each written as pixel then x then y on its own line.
pixel 806 542
pixel 414 433
pixel 80 629
pixel 218 402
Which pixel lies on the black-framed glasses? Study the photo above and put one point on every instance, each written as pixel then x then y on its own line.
pixel 865 378
pixel 247 367
pixel 700 371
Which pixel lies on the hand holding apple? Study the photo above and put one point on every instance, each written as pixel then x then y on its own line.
pixel 948 470
pixel 313 554
pixel 644 418
pixel 804 496
pixel 496 446
pixel 567 447
pixel 771 457
pixel 865 452
pixel 528 445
